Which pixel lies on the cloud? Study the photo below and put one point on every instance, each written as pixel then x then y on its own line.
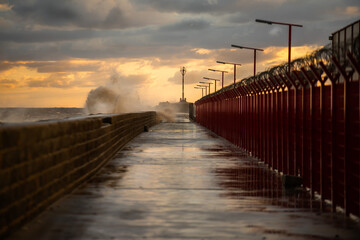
pixel 80 44
pixel 55 80
pixel 128 82
pixel 190 6
pixel 186 25
pixel 4 7
pixel 8 83
pixel 64 66
pixel 39 36
pixel 6 66
pixel 74 73
pixel 95 29
pixel 91 14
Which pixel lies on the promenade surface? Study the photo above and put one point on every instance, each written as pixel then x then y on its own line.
pixel 180 181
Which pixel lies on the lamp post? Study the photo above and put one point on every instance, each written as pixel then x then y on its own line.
pixel 202 90
pixel 255 49
pixel 182 71
pixel 222 75
pixel 235 64
pixel 206 83
pixel 281 23
pixel 206 78
pixel 203 86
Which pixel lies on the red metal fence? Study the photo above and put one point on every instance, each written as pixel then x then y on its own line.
pixel 306 124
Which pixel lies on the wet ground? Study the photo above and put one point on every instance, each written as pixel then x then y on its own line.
pixel 180 181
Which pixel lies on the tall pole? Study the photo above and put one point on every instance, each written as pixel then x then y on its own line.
pixel 255 49
pixel 183 71
pixel 204 86
pixel 182 88
pixel 281 23
pixel 222 75
pixel 234 73
pixel 202 90
pixel 222 79
pixel 215 80
pixel 235 65
pixel 254 62
pixel 289 54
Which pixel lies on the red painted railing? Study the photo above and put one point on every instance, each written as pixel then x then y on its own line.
pixel 306 124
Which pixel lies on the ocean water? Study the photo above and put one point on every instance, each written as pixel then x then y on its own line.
pixel 17 115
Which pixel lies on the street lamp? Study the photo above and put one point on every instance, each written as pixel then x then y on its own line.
pixel 235 64
pixel 255 49
pixel 206 78
pixel 222 75
pixel 206 83
pixel 281 23
pixel 203 86
pixel 202 90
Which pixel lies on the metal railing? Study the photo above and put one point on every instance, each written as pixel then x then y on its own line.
pixel 305 123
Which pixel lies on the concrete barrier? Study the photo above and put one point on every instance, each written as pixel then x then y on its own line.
pixel 40 162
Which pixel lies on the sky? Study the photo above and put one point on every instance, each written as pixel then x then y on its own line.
pixel 52 53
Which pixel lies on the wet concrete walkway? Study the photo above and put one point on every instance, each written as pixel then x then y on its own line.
pixel 179 181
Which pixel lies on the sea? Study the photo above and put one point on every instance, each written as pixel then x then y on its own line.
pixel 18 115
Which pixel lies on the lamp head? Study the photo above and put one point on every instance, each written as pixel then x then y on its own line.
pixel 263 21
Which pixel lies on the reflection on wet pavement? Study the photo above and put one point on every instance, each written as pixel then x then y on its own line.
pixel 180 181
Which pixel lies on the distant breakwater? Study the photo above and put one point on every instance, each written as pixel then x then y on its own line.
pixel 38 114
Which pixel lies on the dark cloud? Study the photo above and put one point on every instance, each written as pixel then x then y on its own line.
pixel 62 67
pixel 28 36
pixel 48 12
pixel 53 30
pixel 106 14
pixel 6 66
pixel 190 6
pixel 186 25
pixel 115 19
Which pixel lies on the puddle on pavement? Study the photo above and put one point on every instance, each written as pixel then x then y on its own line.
pixel 187 183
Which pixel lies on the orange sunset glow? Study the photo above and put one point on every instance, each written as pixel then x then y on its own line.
pixel 55 60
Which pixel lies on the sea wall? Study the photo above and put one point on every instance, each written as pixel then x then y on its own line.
pixel 40 162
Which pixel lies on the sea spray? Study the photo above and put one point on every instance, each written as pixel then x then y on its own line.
pixel 117 96
pixel 103 100
pixel 114 97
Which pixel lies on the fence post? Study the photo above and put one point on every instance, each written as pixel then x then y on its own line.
pixel 346 133
pixel 281 124
pixel 269 123
pixel 276 122
pixel 311 130
pixel 333 80
pixel 356 65
pixel 288 86
pixel 295 130
pixel 303 124
pixel 322 133
pixel 263 120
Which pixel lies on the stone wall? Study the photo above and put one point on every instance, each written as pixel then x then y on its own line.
pixel 40 162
